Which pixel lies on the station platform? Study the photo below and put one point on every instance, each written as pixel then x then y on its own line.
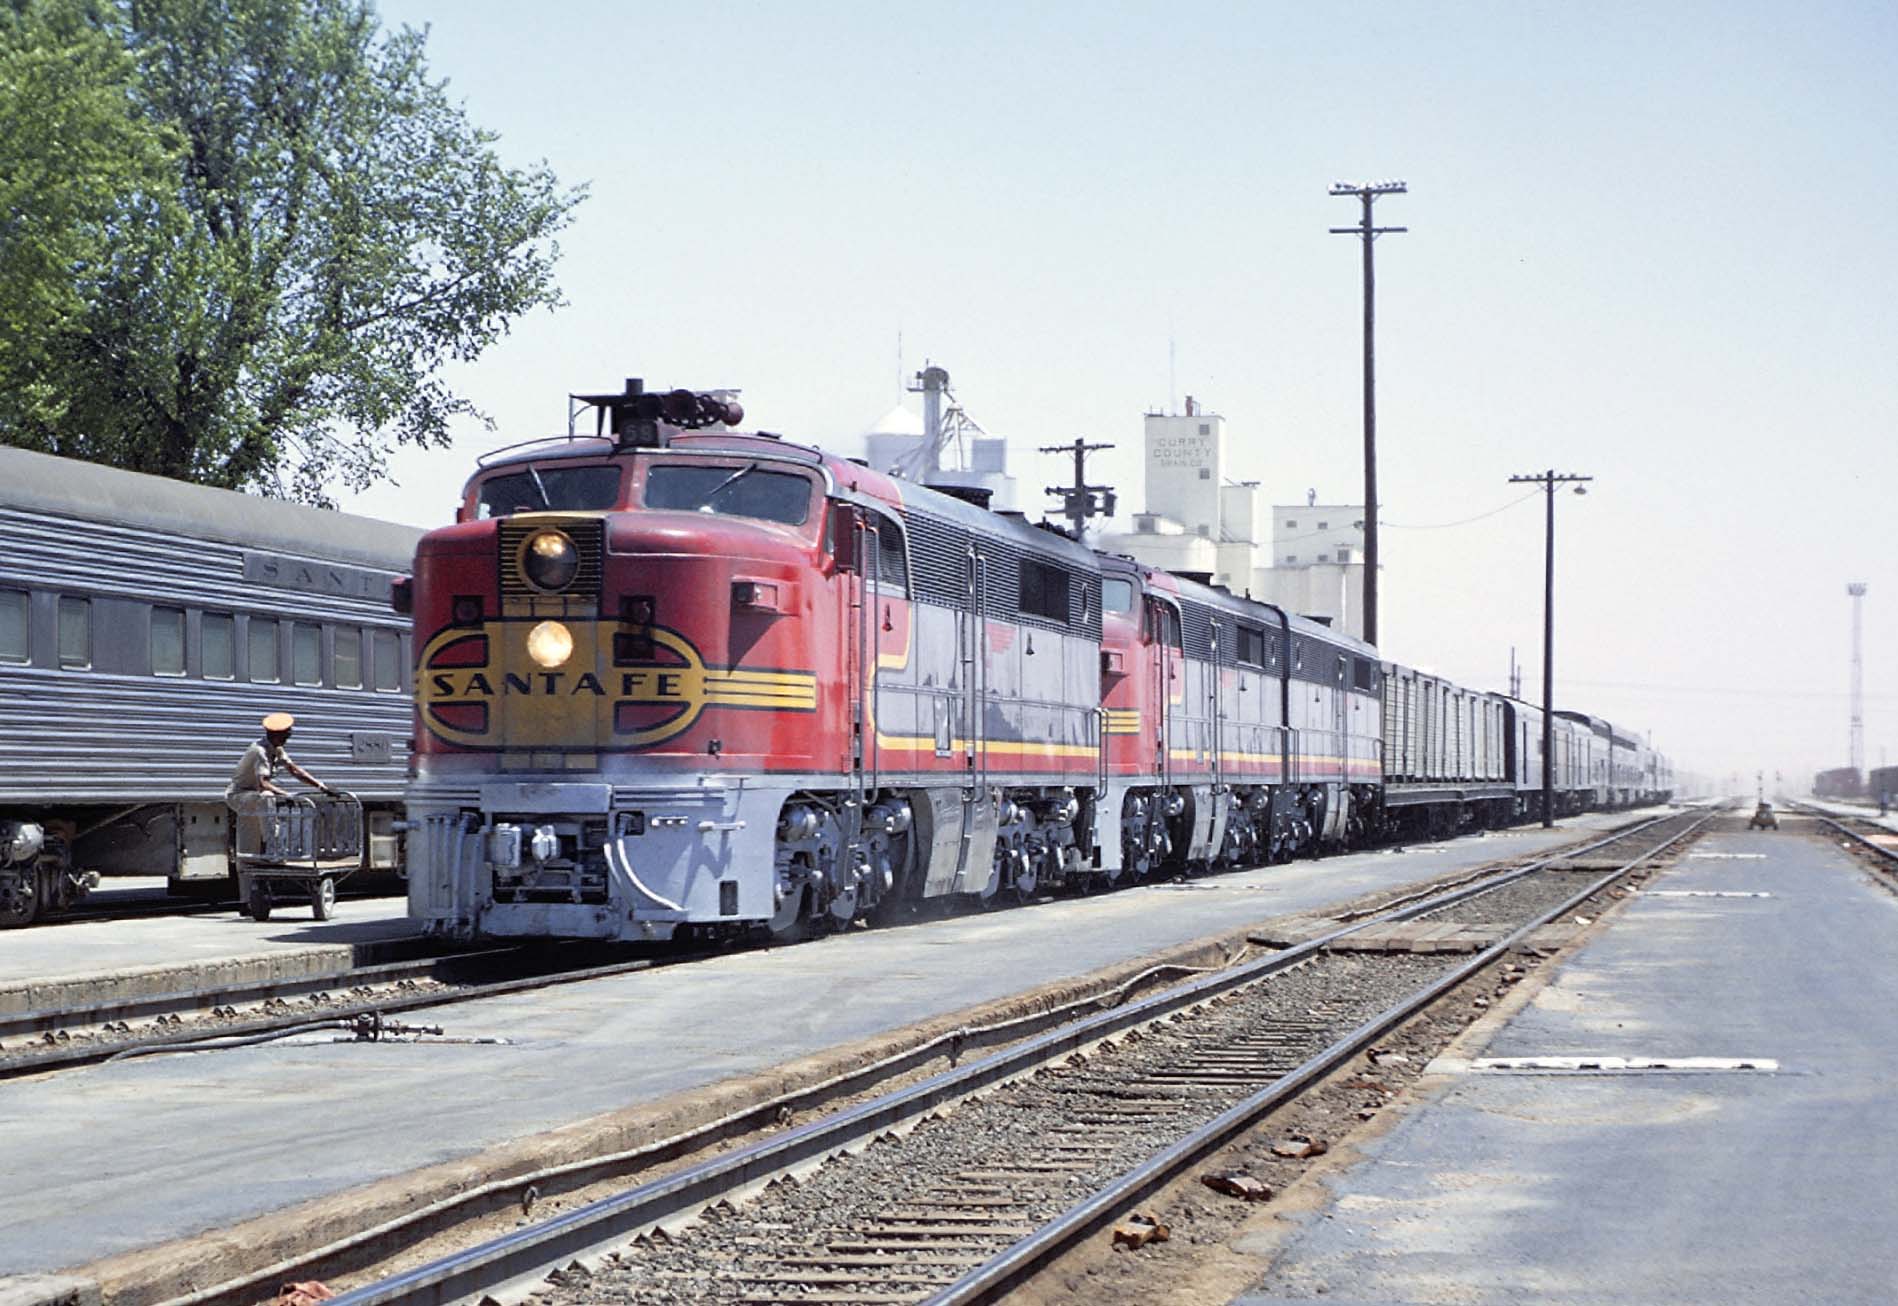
pixel 229 1135
pixel 1572 1187
pixel 59 964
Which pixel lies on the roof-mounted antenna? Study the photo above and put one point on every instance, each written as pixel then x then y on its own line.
pixel 636 418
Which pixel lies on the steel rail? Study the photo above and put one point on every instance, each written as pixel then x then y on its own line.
pixel 1015 1266
pixel 1889 854
pixel 69 1055
pixel 191 1000
pixel 523 1256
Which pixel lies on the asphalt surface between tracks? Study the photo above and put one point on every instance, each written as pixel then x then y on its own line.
pixel 1727 1188
pixel 123 1156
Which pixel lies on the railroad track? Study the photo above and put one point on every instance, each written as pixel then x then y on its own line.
pixel 1882 854
pixel 360 1001
pixel 964 1185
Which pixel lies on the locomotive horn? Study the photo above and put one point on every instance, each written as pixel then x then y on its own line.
pixel 635 414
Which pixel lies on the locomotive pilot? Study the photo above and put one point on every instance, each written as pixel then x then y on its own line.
pixel 254 780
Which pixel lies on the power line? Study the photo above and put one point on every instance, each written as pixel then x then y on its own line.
pixel 1444 526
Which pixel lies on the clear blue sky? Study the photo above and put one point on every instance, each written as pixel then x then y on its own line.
pixel 1648 242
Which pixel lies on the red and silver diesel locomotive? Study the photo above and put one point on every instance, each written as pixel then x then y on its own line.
pixel 673 677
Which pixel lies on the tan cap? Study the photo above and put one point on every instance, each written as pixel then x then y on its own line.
pixel 277 722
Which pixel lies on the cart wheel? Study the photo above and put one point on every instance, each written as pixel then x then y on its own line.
pixel 258 901
pixel 323 898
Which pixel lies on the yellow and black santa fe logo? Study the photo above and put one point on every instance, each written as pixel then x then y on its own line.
pixel 556 686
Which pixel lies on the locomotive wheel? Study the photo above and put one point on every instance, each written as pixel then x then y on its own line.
pixel 21 906
pixel 323 898
pixel 792 924
pixel 1027 880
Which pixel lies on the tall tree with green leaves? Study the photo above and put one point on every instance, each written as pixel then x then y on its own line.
pixel 242 240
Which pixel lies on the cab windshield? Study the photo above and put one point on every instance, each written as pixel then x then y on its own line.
pixel 549 489
pixel 744 491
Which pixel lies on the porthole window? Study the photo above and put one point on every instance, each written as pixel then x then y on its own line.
pixel 168 641
pixel 75 633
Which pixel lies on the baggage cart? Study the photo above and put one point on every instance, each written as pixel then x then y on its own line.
pixel 310 844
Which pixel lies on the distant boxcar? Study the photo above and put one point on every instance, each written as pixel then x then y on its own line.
pixel 1839 782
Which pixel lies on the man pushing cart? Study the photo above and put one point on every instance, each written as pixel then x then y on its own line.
pixel 289 845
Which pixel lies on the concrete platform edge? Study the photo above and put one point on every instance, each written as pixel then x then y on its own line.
pixel 48 1290
pixel 148 982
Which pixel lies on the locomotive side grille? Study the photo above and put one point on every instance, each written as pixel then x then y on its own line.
pixel 589 537
pixel 939 566
pixel 938 560
pixel 1197 631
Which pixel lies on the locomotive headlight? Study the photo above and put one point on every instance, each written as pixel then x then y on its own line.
pixel 549 561
pixel 550 644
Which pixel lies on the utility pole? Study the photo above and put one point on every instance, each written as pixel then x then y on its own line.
pixel 1081 500
pixel 1856 745
pixel 1548 481
pixel 1367 195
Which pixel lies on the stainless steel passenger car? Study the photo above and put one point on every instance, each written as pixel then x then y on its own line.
pixel 145 626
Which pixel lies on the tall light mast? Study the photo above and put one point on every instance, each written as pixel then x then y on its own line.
pixel 1857 590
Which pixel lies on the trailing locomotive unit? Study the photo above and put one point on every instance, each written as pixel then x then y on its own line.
pixel 717 680
pixel 1236 732
pixel 145 626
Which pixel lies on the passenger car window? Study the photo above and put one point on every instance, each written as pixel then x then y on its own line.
pixel 748 491
pixel 387 667
pixel 14 645
pixel 217 656
pixel 348 657
pixel 306 654
pixel 168 641
pixel 75 633
pixel 263 652
pixel 549 489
